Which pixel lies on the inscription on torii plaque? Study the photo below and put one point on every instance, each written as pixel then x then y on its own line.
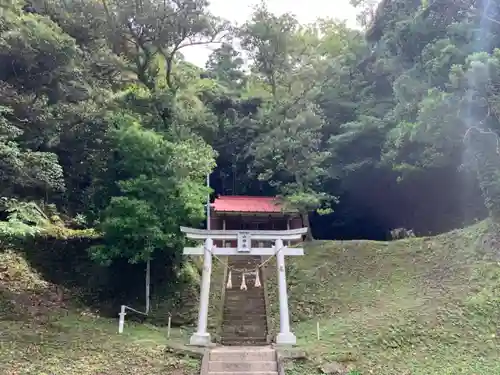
pixel 244 242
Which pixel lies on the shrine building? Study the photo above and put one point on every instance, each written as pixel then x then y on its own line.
pixel 251 213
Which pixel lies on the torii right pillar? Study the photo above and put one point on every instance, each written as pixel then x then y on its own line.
pixel 285 336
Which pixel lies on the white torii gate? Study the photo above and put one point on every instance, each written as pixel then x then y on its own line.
pixel 201 337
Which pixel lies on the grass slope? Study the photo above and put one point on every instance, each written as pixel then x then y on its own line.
pixel 418 306
pixel 41 335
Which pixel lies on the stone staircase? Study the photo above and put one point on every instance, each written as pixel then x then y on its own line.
pixel 242 361
pixel 244 316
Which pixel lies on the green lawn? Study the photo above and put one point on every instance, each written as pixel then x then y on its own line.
pixel 419 306
pixel 51 340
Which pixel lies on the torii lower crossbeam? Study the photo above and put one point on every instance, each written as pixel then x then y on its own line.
pixel 227 251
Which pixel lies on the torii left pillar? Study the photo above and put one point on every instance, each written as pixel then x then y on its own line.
pixel 201 337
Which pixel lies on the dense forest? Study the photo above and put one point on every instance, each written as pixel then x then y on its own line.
pixel 105 126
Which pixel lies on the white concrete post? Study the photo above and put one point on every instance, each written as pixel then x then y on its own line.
pixel 202 337
pixel 121 321
pixel 284 336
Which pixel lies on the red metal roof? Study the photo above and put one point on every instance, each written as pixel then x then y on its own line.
pixel 239 203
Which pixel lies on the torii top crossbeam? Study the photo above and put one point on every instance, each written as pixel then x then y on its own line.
pixel 291 234
pixel 244 241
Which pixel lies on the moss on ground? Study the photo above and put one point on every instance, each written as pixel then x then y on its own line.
pixel 418 306
pixel 41 333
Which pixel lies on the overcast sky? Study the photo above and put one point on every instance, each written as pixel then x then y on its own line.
pixel 238 11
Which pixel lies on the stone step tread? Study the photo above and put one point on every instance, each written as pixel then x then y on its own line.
pixel 244 325
pixel 242 366
pixel 245 294
pixel 243 335
pixel 243 304
pixel 239 310
pixel 243 343
pixel 244 339
pixel 243 310
pixel 239 298
pixel 239 341
pixel 243 320
pixel 248 355
pixel 235 329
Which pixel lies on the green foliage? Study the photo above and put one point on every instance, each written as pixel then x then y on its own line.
pixel 162 188
pixel 23 219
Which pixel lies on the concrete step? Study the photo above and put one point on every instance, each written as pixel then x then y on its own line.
pixel 253 316
pixel 231 325
pixel 250 292
pixel 243 327
pixel 244 373
pixel 243 319
pixel 235 312
pixel 244 323
pixel 244 341
pixel 249 307
pixel 237 323
pixel 244 304
pixel 244 334
pixel 242 298
pixel 236 354
pixel 238 310
pixel 242 366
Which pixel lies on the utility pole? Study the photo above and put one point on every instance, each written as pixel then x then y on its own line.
pixel 208 202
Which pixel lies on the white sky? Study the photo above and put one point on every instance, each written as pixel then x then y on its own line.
pixel 306 11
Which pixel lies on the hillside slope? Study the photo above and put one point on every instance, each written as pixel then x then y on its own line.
pixel 418 306
pixel 42 332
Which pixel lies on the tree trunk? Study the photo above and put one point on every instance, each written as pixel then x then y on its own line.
pixel 305 222
pixel 148 283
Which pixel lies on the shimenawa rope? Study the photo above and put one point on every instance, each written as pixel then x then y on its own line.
pixel 243 271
